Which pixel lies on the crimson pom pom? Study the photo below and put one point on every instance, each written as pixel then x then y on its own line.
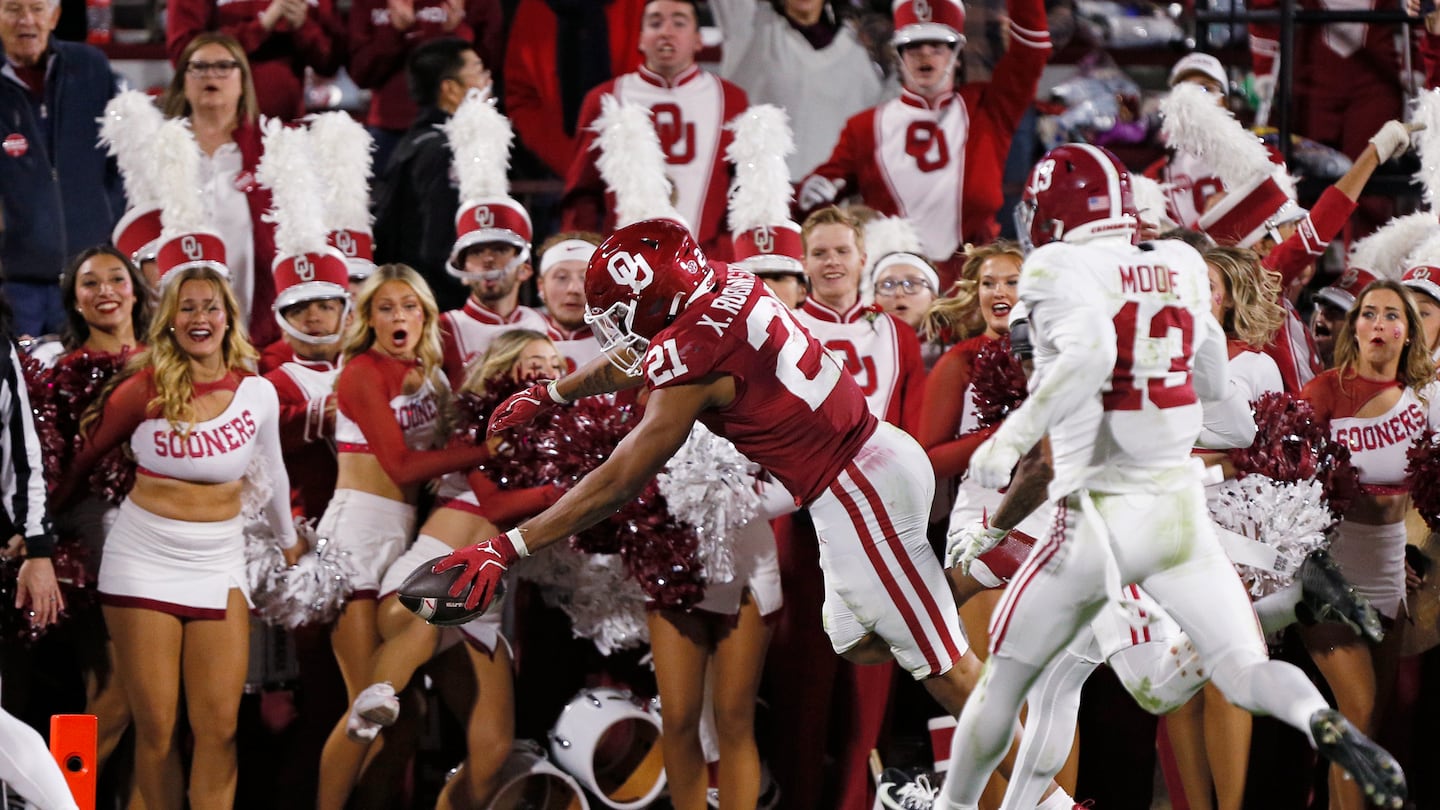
pixel 68 560
pixel 1422 474
pixel 59 396
pixel 1291 445
pixel 560 447
pixel 997 385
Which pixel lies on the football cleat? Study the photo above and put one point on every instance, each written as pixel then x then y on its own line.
pixel 899 790
pixel 1371 766
pixel 1325 596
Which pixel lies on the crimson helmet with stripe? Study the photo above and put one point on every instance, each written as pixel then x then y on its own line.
pixel 1075 193
pixel 928 21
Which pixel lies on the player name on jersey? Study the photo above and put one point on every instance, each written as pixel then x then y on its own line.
pixel 1145 278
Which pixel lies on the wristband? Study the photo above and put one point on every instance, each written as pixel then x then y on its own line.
pixel 553 390
pixel 517 541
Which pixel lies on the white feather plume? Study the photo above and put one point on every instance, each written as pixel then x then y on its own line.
pixel 1427 143
pixel 761 193
pixel 480 138
pixel 177 164
pixel 1150 201
pixel 342 149
pixel 1426 254
pixel 632 162
pixel 1195 124
pixel 886 235
pixel 127 130
pixel 1383 252
pixel 288 170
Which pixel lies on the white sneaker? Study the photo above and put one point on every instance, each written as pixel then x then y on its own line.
pixel 374 708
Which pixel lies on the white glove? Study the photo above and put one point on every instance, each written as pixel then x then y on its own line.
pixel 992 464
pixel 818 190
pixel 968 542
pixel 1392 139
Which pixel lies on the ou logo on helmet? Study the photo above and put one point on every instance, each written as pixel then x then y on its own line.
pixel 764 239
pixel 304 268
pixel 922 10
pixel 484 217
pixel 630 270
pixel 1420 274
pixel 345 243
pixel 192 248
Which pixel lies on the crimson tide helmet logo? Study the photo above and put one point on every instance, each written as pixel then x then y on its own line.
pixel 764 239
pixel 192 248
pixel 484 217
pixel 630 270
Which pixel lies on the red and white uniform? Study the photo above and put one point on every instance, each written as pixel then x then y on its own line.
pixel 690 112
pixel 183 567
pixel 578 347
pixel 305 389
pixel 868 486
pixel 1188 183
pixel 1372 558
pixel 466 333
pixel 278 57
pixel 939 164
pixel 880 351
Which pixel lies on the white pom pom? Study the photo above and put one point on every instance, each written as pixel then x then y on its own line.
pixel 632 162
pixel 177 167
pixel 342 149
pixel 480 137
pixel 1150 202
pixel 709 485
pixel 1428 252
pixel 1195 124
pixel 1427 143
pixel 605 605
pixel 128 130
pixel 288 169
pixel 760 195
pixel 1291 518
pixel 1384 252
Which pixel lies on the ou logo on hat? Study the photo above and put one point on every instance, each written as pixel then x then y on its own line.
pixel 922 10
pixel 1420 274
pixel 484 217
pixel 1348 278
pixel 764 239
pixel 192 249
pixel 304 268
pixel 631 271
pixel 345 243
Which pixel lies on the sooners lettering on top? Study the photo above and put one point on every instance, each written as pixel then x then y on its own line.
pixel 630 270
pixel 206 443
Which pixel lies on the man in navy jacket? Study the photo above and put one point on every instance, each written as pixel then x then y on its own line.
pixel 59 193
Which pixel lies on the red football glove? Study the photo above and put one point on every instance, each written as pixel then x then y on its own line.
pixel 521 407
pixel 485 563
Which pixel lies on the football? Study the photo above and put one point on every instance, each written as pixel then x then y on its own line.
pixel 427 595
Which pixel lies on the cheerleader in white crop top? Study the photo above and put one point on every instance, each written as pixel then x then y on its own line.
pixel 172 580
pixel 1379 396
pixel 390 397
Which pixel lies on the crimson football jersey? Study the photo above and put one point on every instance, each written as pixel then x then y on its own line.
pixel 795 413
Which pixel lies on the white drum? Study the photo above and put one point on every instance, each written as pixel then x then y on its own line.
pixel 610 741
pixel 529 780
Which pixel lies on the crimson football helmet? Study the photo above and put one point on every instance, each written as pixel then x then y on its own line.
pixel 1076 193
pixel 637 282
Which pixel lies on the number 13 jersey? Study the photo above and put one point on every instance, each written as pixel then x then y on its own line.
pixel 794 412
pixel 1147 416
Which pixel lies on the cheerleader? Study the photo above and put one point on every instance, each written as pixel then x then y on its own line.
pixel 172 581
pixel 390 396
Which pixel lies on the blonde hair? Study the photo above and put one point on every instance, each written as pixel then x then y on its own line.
pixel 174 103
pixel 959 311
pixel 174 385
pixel 500 358
pixel 832 215
pixel 1255 315
pixel 360 335
pixel 1417 369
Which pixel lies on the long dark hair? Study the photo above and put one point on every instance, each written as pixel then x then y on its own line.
pixel 77 331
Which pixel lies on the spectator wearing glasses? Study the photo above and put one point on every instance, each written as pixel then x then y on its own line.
pixel 58 192
pixel 214 89
pixel 906 284
pixel 280 37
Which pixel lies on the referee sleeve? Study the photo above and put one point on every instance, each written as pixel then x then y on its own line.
pixel 22 474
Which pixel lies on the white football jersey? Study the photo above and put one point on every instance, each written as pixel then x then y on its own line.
pixel 1151 304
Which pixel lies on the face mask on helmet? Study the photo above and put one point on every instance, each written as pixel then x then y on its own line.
pixel 1076 193
pixel 624 348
